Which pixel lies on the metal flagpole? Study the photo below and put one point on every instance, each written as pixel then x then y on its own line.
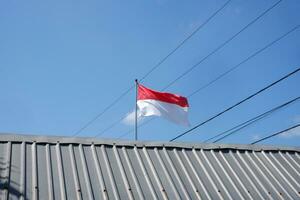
pixel 136 97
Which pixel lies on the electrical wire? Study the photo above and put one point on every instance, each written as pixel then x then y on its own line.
pixel 249 122
pixel 275 134
pixel 185 40
pixel 238 103
pixel 110 127
pixel 245 60
pixel 152 69
pixel 103 111
pixel 230 70
pixel 215 50
pixel 131 130
pixel 222 45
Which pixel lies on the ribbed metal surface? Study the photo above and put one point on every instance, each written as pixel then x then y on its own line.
pixel 62 168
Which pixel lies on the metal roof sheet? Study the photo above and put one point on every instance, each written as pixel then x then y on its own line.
pixel 42 167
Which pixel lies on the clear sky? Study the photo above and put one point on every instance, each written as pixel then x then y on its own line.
pixel 62 62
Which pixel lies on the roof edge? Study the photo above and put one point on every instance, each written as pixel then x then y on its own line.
pixel 6 137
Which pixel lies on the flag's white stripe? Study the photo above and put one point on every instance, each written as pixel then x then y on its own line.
pixel 172 112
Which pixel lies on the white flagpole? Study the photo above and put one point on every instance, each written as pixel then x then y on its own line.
pixel 136 97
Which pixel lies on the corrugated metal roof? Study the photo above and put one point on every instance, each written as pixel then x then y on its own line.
pixel 33 167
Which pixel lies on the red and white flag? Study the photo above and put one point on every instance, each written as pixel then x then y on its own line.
pixel 170 106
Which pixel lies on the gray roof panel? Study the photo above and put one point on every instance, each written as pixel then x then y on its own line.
pixel 34 167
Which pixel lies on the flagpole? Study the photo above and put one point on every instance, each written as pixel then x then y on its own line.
pixel 136 97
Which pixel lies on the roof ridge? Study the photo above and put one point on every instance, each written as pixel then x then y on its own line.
pixel 88 141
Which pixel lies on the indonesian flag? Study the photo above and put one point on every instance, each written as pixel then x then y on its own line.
pixel 170 106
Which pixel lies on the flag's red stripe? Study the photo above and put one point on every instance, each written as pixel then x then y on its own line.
pixel 146 93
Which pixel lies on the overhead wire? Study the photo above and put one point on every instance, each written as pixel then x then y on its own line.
pixel 185 40
pixel 222 45
pixel 152 69
pixel 103 111
pixel 167 56
pixel 275 134
pixel 131 130
pixel 249 122
pixel 109 127
pixel 234 67
pixel 215 50
pixel 238 103
pixel 245 60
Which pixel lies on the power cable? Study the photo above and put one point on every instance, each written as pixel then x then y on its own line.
pixel 237 104
pixel 280 132
pixel 249 122
pixel 185 40
pixel 214 51
pixel 245 60
pixel 229 70
pixel 222 45
pixel 131 130
pixel 152 69
pixel 103 111
pixel 110 127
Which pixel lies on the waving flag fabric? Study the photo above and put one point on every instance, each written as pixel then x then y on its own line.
pixel 170 106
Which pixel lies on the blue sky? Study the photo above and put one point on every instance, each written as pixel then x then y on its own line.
pixel 62 62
